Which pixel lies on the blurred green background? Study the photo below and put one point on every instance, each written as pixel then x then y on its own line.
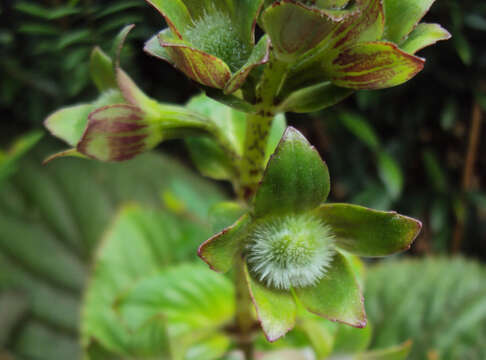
pixel 418 149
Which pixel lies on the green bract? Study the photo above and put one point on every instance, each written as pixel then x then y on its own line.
pixel 365 44
pixel 293 243
pixel 211 41
pixel 123 122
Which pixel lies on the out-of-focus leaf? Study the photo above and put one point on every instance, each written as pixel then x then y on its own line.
pixel 60 212
pixel 434 171
pixel 361 129
pixel 391 174
pixel 195 301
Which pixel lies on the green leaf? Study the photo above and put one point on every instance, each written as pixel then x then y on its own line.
pixel 61 212
pixel 296 178
pixel 259 56
pixel 373 65
pixel 175 13
pixel 196 64
pixel 361 129
pixel 314 98
pixel 132 249
pixel 320 337
pixel 219 251
pixel 210 160
pixel 225 214
pixel 195 301
pixel 391 174
pixel 399 352
pixel 276 309
pixel 336 296
pixel 101 69
pixel 9 160
pixel 402 16
pixel 230 100
pixel 153 48
pixel 295 28
pixel 69 123
pixel 367 232
pixel 424 35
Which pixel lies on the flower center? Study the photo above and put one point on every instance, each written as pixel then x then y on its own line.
pixel 215 33
pixel 290 251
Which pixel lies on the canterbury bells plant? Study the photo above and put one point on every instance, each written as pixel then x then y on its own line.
pixel 284 246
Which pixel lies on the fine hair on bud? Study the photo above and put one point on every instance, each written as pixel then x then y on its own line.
pixel 215 33
pixel 292 251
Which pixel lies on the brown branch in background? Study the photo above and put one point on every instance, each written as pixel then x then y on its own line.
pixel 468 173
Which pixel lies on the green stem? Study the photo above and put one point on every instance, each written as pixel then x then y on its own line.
pixel 244 315
pixel 258 127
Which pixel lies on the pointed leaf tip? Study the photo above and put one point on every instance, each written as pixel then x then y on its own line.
pixel 296 178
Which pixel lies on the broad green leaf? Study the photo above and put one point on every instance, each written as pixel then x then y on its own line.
pixel 196 64
pixel 219 251
pixel 61 211
pixel 276 309
pixel 276 132
pixel 138 244
pixel 361 129
pixel 195 301
pixel 296 178
pixel 424 35
pixel 391 174
pixel 320 337
pixel 351 340
pixel 366 232
pixel 175 13
pixel 245 14
pixel 399 352
pixel 314 98
pixel 259 56
pixel 295 28
pixel 336 296
pixel 409 297
pixel 224 214
pixel 210 160
pixel 102 71
pixel 230 100
pixel 402 16
pixel 373 65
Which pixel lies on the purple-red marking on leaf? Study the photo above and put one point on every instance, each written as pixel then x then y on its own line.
pixel 114 133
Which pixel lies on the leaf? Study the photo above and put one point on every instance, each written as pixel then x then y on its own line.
pixel 196 64
pixel 314 98
pixel 399 352
pixel 402 16
pixel 276 309
pixel 360 128
pixel 259 56
pixel 195 301
pixel 9 160
pixel 424 35
pixel 101 69
pixel 220 250
pixel 69 123
pixel 296 178
pixel 373 65
pixel 336 296
pixel 391 174
pixel 61 212
pixel 175 13
pixel 295 28
pixel 367 232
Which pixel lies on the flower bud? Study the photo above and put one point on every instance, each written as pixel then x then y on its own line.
pixel 290 251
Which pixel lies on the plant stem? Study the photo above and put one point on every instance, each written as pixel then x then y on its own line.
pixel 244 316
pixel 258 127
pixel 251 171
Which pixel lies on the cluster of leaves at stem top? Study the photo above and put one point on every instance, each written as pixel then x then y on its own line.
pixel 329 48
pixel 295 247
